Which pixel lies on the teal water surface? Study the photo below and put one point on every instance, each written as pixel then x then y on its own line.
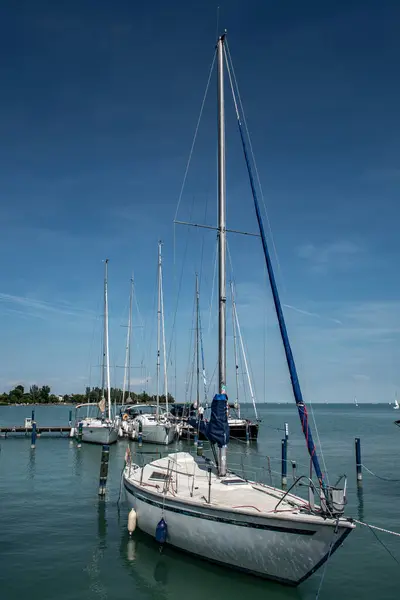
pixel 59 541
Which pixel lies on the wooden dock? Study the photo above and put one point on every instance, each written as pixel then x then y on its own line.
pixel 55 429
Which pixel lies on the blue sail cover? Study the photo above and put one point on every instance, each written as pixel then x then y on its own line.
pixel 216 430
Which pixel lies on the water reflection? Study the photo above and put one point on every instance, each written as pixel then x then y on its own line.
pixel 172 574
pixel 102 524
pixel 78 461
pixel 32 463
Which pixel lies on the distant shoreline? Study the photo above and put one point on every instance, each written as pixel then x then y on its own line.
pixel 39 404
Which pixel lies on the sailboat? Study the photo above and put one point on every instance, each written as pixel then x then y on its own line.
pixel 355 401
pixel 126 425
pixel 205 509
pixel 240 428
pixel 155 424
pixel 102 429
pixel 396 404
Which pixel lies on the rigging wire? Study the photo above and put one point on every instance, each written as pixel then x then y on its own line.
pixel 244 349
pixel 178 287
pixel 213 287
pixel 195 136
pixel 230 66
pixel 234 86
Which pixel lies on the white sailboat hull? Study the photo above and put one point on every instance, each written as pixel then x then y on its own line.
pixel 154 431
pixel 97 433
pixel 267 544
pixel 156 434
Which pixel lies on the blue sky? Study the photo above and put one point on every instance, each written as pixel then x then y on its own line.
pixel 98 108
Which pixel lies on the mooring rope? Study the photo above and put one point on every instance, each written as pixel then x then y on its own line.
pixel 371 528
pixel 327 560
pixel 379 476
pixel 378 528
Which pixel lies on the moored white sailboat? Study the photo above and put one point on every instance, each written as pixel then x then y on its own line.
pixel 157 428
pixel 210 512
pixel 102 429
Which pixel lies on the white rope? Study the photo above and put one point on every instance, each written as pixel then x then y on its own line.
pixel 377 528
pixel 378 476
pixel 195 137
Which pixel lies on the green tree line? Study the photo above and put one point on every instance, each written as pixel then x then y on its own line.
pixel 43 395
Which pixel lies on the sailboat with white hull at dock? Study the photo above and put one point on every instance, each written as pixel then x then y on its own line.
pixel 156 426
pixel 208 511
pixel 102 429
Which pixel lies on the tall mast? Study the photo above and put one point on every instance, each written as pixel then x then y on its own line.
pixel 221 220
pixel 106 345
pixel 221 240
pixel 235 349
pixel 158 328
pixel 197 344
pixel 163 342
pixel 127 366
pixel 130 338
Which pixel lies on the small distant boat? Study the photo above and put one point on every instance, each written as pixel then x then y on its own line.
pixel 396 405
pixel 355 401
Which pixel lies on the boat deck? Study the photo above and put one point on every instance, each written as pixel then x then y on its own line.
pixel 181 475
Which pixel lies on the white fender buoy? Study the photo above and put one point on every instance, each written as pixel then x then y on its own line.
pixel 132 519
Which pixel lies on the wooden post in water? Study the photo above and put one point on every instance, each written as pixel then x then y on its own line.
pixel 358 459
pixel 80 433
pixel 33 435
pixel 70 418
pixel 294 470
pixel 105 454
pixel 286 428
pixel 284 463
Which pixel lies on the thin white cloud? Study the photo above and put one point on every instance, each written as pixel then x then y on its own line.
pixel 312 314
pixel 340 254
pixel 41 308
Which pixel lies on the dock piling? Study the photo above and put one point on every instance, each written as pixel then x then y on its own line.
pixel 70 418
pixel 105 454
pixel 199 448
pixel 284 463
pixel 294 470
pixel 358 459
pixel 80 433
pixel 33 435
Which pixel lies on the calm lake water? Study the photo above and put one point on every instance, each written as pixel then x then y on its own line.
pixel 58 541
